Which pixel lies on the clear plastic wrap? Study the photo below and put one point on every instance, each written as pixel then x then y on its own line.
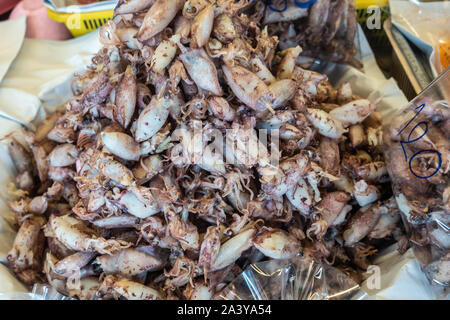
pixel 39 292
pixel 417 152
pixel 326 30
pixel 427 24
pixel 295 279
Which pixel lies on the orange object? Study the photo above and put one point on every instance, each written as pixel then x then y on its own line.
pixel 444 53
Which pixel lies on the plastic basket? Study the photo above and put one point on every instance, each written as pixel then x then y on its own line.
pixel 80 23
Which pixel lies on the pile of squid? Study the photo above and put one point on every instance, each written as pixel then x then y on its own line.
pixel 326 30
pixel 113 204
pixel 418 158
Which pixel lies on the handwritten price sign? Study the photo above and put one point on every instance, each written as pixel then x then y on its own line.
pixel 424 126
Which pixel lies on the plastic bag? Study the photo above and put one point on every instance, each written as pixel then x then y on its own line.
pixel 326 30
pixel 295 279
pixel 429 22
pixel 417 155
pixel 39 292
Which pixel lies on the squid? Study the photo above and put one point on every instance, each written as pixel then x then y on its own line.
pixel 76 236
pixel 132 192
pixel 26 256
pixel 158 17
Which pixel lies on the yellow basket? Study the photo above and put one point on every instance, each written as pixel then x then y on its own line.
pixel 81 22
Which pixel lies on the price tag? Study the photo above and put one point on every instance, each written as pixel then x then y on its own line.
pixel 424 126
